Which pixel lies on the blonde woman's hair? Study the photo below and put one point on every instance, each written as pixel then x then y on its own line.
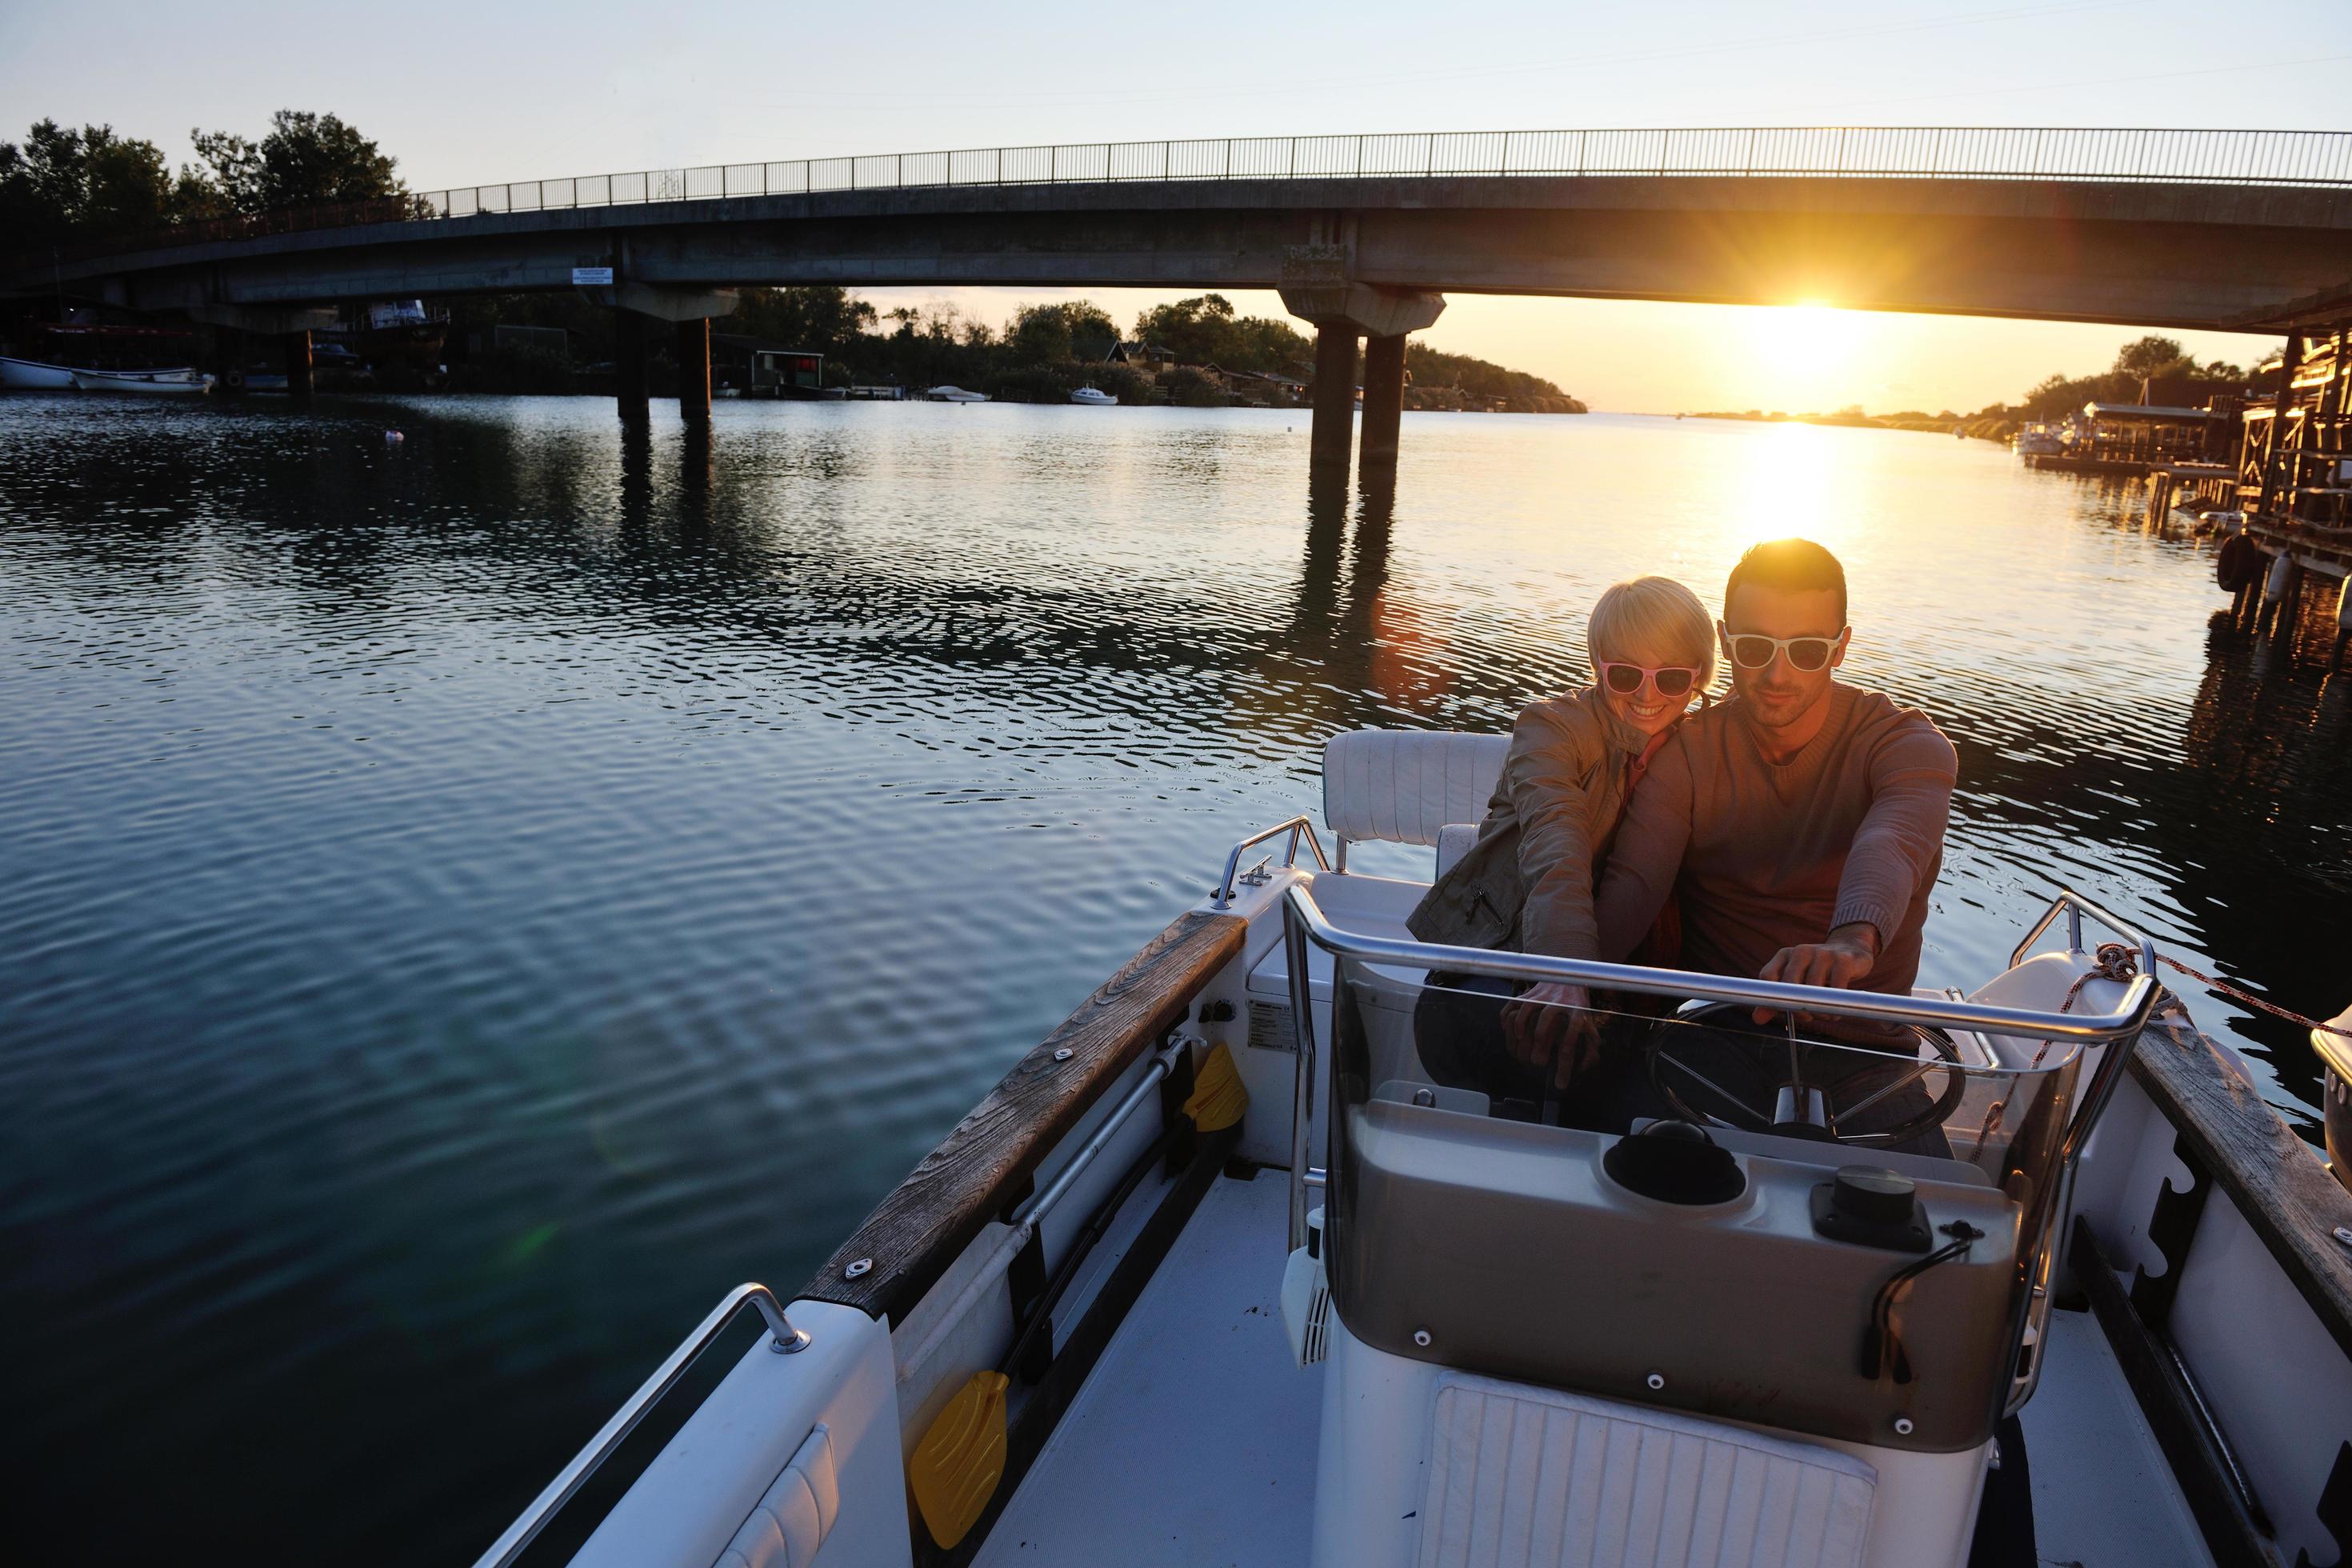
pixel 1655 613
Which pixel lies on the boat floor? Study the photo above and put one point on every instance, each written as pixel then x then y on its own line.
pixel 1192 1442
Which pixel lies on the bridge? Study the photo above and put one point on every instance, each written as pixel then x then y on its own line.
pixel 1363 236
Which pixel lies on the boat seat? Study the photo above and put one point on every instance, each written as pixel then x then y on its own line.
pixel 1408 786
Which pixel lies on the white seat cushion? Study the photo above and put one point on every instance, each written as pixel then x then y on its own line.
pixel 1405 787
pixel 1454 841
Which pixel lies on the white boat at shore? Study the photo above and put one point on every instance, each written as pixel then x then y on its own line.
pixel 144 383
pixel 31 376
pixel 1093 396
pixel 954 394
pixel 1218 1274
pixel 2037 440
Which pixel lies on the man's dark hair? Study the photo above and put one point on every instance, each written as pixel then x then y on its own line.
pixel 1792 565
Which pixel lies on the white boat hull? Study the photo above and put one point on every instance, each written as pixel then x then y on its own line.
pixel 1093 397
pixel 31 376
pixel 161 383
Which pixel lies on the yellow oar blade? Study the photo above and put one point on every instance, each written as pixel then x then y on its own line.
pixel 956 1467
pixel 1218 1097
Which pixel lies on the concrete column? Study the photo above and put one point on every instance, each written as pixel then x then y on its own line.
pixel 1335 396
pixel 692 341
pixel 298 364
pixel 629 365
pixel 1383 401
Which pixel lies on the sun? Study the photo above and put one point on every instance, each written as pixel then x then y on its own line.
pixel 1806 354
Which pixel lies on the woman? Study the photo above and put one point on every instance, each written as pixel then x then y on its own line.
pixel 1526 885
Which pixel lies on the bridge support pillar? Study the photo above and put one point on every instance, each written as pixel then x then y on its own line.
pixel 629 365
pixel 298 364
pixel 1335 398
pixel 692 349
pixel 1315 289
pixel 1383 403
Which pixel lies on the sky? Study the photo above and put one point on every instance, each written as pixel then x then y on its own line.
pixel 467 94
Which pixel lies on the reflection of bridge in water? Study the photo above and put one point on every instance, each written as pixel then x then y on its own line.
pixel 1362 234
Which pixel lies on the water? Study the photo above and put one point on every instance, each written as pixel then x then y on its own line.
pixel 467 902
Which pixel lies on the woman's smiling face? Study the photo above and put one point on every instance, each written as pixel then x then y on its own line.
pixel 1645 708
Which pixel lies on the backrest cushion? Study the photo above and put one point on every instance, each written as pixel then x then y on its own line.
pixel 1404 787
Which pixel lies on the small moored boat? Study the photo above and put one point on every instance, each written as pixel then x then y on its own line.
pixel 31 376
pixel 1093 396
pixel 1217 1274
pixel 955 395
pixel 144 383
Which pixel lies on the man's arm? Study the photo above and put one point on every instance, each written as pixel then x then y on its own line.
pixel 1901 839
pixel 1897 848
pixel 1647 853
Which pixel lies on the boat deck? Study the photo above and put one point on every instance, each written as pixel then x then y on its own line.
pixel 1222 1472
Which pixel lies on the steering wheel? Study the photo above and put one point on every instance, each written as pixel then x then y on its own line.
pixel 1800 1108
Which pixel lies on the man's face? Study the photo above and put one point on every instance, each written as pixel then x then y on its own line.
pixel 1781 693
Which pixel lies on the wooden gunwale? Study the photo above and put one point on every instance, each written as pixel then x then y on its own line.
pixel 2277 1181
pixel 916 1232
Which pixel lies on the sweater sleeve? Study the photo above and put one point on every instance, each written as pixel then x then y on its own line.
pixel 1647 853
pixel 1901 840
pixel 1549 777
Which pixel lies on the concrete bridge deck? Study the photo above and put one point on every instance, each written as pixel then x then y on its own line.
pixel 2181 256
pixel 1363 236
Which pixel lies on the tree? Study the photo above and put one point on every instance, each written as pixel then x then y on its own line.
pixel 2150 355
pixel 1196 330
pixel 825 319
pixel 85 184
pixel 307 159
pixel 1050 334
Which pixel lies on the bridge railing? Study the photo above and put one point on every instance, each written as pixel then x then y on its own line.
pixel 1873 152
pixel 2285 158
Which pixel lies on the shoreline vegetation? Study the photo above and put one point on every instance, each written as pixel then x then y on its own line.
pixel 1190 353
pixel 61 186
pixel 2151 369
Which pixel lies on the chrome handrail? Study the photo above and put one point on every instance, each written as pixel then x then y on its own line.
pixel 2074 906
pixel 1295 826
pixel 2091 1028
pixel 784 1338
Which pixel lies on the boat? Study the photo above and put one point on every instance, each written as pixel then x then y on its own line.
pixel 144 383
pixel 955 395
pixel 2039 439
pixel 387 332
pixel 1216 1274
pixel 1092 397
pixel 30 375
pixel 48 353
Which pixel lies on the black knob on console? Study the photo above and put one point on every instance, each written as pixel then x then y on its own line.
pixel 1873 1195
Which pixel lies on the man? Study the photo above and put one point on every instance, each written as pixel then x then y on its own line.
pixel 1801 819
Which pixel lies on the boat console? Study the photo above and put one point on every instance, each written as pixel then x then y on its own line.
pixel 1829 1237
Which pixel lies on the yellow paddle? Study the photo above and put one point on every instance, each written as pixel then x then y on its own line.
pixel 956 1468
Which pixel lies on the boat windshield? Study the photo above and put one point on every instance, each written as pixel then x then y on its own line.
pixel 1814 1088
pixel 1836 1224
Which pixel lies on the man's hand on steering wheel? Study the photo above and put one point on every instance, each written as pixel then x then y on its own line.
pixel 1842 960
pixel 1552 1023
